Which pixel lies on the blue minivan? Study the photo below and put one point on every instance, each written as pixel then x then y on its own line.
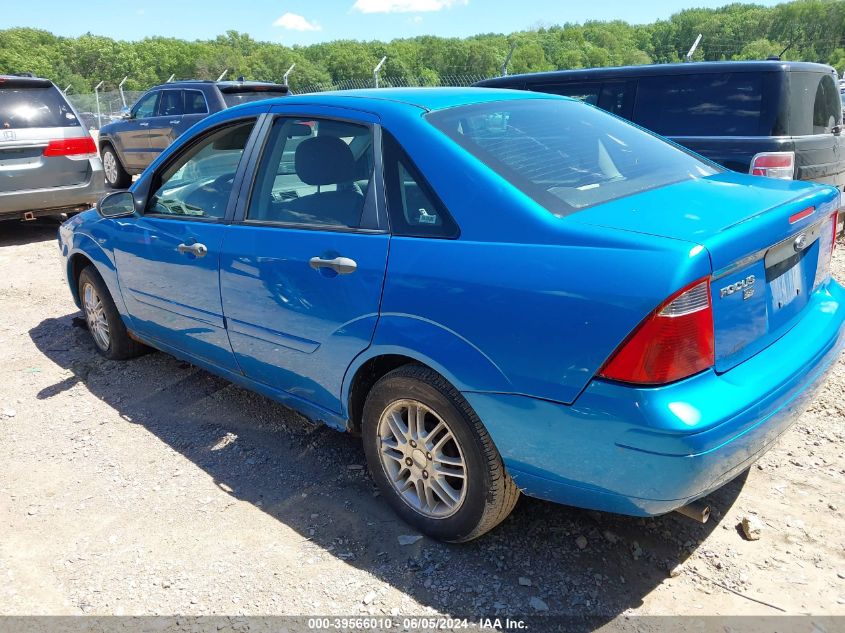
pixel 500 291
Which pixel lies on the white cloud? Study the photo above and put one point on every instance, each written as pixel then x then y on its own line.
pixel 296 22
pixel 405 6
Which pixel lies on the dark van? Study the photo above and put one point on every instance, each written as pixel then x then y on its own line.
pixel 770 118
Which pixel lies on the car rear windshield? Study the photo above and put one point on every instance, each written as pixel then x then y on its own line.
pixel 23 107
pixel 709 104
pixel 814 106
pixel 247 96
pixel 564 154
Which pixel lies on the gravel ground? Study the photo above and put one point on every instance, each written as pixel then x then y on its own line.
pixel 151 487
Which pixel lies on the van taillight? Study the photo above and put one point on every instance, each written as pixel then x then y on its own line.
pixel 75 148
pixel 673 342
pixel 774 165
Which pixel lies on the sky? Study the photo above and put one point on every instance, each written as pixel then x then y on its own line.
pixel 309 21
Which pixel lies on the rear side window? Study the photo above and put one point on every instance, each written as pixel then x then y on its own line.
pixel 565 155
pixel 171 103
pixel 706 104
pixel 586 92
pixel 22 107
pixel 814 104
pixel 195 102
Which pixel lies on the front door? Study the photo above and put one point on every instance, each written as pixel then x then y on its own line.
pixel 168 259
pixel 163 127
pixel 301 275
pixel 133 135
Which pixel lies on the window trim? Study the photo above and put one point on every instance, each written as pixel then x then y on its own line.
pixel 376 182
pixel 185 100
pixel 422 182
pixel 155 179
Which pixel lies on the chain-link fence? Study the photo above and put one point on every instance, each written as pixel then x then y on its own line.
pixel 111 103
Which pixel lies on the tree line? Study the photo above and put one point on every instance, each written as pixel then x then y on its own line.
pixel 809 30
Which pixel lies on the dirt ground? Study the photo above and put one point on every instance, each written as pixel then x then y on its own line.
pixel 152 487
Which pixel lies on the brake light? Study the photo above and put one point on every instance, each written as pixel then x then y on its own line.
pixel 673 342
pixel 74 148
pixel 774 165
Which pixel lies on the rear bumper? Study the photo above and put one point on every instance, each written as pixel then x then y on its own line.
pixel 648 451
pixel 15 204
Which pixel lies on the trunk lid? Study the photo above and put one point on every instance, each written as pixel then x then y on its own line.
pixel 762 277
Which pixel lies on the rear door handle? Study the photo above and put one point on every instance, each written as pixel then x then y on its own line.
pixel 197 250
pixel 341 265
pixel 175 122
pixel 144 124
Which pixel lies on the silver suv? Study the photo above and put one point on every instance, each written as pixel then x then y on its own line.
pixel 48 161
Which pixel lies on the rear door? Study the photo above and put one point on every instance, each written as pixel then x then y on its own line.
pixel 196 109
pixel 301 274
pixel 168 258
pixel 33 113
pixel 165 126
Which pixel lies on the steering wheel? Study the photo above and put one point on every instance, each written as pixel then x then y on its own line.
pixel 212 196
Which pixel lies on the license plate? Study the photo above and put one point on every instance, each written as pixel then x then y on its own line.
pixel 787 287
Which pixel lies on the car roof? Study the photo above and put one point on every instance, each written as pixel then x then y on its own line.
pixel 24 80
pixel 182 83
pixel 429 99
pixel 685 68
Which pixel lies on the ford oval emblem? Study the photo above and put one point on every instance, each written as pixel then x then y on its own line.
pixel 800 243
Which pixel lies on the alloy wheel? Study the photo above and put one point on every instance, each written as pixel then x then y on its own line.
pixel 422 459
pixel 110 167
pixel 95 316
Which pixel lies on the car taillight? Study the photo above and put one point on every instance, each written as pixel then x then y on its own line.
pixel 827 242
pixel 774 165
pixel 75 148
pixel 673 342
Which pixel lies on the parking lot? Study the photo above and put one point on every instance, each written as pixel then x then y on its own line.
pixel 152 487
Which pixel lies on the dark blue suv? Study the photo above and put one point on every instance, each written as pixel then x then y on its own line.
pixel 162 114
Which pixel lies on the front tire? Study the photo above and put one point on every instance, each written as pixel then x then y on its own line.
pixel 432 458
pixel 104 322
pixel 116 176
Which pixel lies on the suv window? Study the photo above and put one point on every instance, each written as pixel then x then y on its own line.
pixel 22 107
pixel 586 92
pixel 198 184
pixel 704 104
pixel 814 104
pixel 247 95
pixel 170 103
pixel 415 210
pixel 565 155
pixel 146 106
pixel 313 172
pixel 195 102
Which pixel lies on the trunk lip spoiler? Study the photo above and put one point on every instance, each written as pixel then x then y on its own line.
pixel 761 253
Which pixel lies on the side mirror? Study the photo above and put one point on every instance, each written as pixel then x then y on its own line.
pixel 125 113
pixel 119 204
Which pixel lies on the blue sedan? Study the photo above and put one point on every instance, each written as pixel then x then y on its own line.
pixel 501 292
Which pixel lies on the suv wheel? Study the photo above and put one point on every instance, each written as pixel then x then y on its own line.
pixel 432 458
pixel 116 175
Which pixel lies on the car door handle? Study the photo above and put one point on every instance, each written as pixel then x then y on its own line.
pixel 341 265
pixel 145 124
pixel 175 122
pixel 197 250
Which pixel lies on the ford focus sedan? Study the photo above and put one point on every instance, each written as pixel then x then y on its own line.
pixel 501 292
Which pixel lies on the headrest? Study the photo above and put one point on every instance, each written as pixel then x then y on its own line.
pixel 324 160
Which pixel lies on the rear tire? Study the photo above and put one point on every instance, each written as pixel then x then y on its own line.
pixel 104 322
pixel 432 458
pixel 116 176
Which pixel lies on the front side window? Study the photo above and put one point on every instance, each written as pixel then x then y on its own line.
pixel 171 103
pixel 565 155
pixel 313 172
pixel 198 184
pixel 146 107
pixel 813 104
